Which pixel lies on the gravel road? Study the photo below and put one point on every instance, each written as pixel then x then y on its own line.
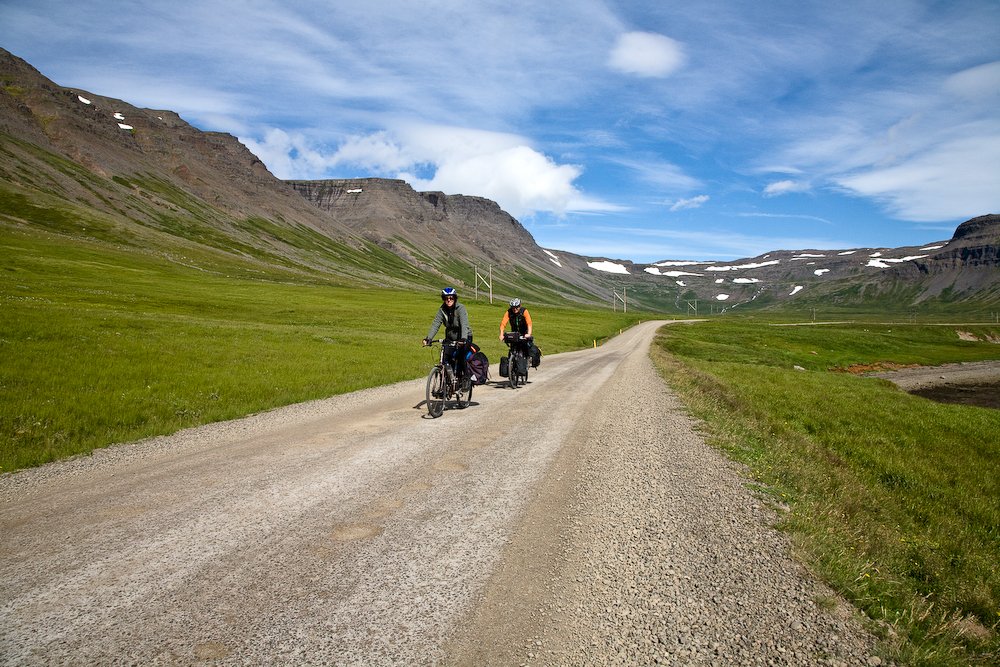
pixel 579 520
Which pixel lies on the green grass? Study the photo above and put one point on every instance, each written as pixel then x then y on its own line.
pixel 102 344
pixel 894 499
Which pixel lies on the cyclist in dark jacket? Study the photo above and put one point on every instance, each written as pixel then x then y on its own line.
pixel 519 319
pixel 457 331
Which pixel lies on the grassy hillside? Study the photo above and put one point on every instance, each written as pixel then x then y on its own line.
pixel 894 499
pixel 105 343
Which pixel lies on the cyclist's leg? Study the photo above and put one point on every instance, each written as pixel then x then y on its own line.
pixel 450 356
pixel 456 359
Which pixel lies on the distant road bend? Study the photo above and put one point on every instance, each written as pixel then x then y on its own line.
pixel 577 520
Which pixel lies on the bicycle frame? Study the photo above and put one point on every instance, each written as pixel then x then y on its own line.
pixel 443 383
pixel 516 343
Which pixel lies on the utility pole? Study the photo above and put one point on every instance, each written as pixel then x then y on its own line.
pixel 623 298
pixel 488 284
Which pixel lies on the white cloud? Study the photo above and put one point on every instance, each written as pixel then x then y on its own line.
pixel 500 166
pixel 646 54
pixel 519 178
pixel 976 83
pixel 693 202
pixel 288 155
pixel 951 180
pixel 377 151
pixel 785 187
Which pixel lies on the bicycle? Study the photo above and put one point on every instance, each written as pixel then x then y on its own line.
pixel 444 384
pixel 517 363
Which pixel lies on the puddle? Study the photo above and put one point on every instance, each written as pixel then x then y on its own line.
pixel 984 395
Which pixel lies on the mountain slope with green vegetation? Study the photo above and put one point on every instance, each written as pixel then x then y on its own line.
pixel 107 343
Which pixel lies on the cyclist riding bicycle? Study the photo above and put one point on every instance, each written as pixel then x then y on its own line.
pixel 519 319
pixel 457 331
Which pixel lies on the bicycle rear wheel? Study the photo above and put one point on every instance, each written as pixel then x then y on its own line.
pixel 435 392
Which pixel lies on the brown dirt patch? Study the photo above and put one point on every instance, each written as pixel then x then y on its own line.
pixel 874 367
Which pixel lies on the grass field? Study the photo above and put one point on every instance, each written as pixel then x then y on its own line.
pixel 893 499
pixel 100 345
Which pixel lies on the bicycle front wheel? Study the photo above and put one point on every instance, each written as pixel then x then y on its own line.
pixel 512 377
pixel 464 394
pixel 435 392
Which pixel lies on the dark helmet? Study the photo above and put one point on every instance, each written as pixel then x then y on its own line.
pixel 449 291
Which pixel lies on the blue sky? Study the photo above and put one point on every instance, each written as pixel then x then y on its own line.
pixel 636 130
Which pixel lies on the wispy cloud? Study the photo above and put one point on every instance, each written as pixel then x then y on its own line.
pixel 957 178
pixel 785 187
pixel 659 173
pixel 693 202
pixel 785 216
pixel 923 154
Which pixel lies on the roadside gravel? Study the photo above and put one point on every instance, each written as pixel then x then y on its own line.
pixel 646 547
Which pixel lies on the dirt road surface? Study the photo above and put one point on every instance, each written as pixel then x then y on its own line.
pixel 577 520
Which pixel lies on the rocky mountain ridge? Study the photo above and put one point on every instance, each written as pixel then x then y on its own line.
pixel 93 166
pixel 965 266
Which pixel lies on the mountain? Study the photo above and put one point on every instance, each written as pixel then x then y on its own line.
pixel 962 270
pixel 85 166
pixel 463 233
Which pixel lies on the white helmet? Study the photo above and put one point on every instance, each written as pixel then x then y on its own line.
pixel 514 303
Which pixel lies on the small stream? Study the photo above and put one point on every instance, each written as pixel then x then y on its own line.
pixel 984 395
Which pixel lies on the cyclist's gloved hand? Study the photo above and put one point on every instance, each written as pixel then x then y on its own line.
pixel 425 342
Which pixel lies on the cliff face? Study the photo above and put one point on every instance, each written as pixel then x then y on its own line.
pixel 388 209
pixel 982 230
pixel 968 264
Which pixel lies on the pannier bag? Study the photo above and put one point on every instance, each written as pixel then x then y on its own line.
pixel 479 367
pixel 522 364
pixel 536 356
pixel 504 367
